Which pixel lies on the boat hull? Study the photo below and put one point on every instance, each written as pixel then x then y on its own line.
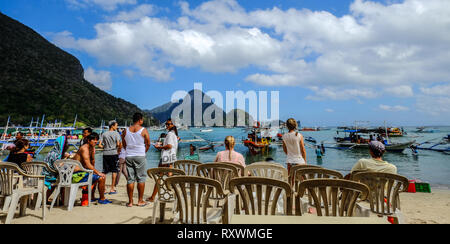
pixel 397 147
pixel 256 148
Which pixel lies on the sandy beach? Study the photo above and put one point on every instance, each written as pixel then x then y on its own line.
pixel 418 208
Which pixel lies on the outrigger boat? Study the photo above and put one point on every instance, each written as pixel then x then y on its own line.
pixel 256 142
pixel 356 140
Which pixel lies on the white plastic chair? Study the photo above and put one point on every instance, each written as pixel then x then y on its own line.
pixel 14 187
pixel 164 194
pixel 267 170
pixel 193 195
pixel 66 169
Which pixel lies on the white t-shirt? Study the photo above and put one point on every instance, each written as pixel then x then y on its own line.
pixel 170 156
pixel 292 141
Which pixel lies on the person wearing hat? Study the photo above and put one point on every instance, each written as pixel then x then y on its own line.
pixel 111 143
pixel 375 163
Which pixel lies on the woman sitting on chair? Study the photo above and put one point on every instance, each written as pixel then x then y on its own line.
pixel 229 155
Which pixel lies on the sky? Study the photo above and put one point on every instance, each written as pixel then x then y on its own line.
pixel 332 62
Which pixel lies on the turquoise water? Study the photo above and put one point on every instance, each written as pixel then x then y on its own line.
pixel 428 166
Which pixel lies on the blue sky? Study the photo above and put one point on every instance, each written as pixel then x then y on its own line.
pixel 333 62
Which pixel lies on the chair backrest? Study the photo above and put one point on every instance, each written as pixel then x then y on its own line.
pixel 341 198
pixel 189 166
pixel 160 175
pixel 302 174
pixel 66 168
pixel 218 171
pixel 267 170
pixel 193 194
pixel 260 196
pixel 296 167
pixel 238 166
pixel 33 168
pixel 384 188
pixel 7 173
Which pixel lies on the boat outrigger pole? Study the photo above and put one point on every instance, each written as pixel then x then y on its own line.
pixel 6 129
pixel 75 121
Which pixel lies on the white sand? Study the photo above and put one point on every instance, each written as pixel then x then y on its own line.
pixel 417 208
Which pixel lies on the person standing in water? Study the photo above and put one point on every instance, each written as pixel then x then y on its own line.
pixel 136 140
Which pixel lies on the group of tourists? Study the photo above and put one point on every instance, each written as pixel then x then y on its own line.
pixel 125 153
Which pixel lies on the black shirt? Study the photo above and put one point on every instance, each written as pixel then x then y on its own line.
pixel 17 158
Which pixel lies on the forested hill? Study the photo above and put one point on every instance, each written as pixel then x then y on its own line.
pixel 37 78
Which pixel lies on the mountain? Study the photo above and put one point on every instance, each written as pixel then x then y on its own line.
pixel 241 118
pixel 37 77
pixel 163 112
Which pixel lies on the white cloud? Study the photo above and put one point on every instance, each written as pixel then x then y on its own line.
pixel 328 93
pixel 108 5
pixel 439 90
pixel 101 79
pixel 395 46
pixel 400 91
pixel 435 106
pixel 396 108
pixel 435 100
pixel 135 14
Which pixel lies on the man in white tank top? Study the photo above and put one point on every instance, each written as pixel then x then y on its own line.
pixel 136 141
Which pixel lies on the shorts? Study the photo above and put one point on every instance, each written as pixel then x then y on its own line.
pixel 137 170
pixel 85 178
pixel 110 164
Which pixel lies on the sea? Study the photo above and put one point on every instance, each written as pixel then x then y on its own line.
pixel 427 166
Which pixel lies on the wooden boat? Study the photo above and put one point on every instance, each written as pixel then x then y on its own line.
pixel 309 129
pixel 391 147
pixel 256 143
pixel 355 140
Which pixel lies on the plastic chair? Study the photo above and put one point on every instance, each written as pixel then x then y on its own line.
pixel 342 197
pixel 192 194
pixel 188 166
pixel 35 168
pixel 305 173
pixel 14 187
pixel 294 169
pixel 267 170
pixel 262 196
pixel 384 197
pixel 66 169
pixel 164 195
pixel 238 166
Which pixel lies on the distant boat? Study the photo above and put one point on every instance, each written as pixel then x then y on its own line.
pixel 310 139
pixel 310 129
pixel 424 129
pixel 206 130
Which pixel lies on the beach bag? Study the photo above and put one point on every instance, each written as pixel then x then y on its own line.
pixel 168 156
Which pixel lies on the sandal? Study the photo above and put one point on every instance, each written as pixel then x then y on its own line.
pixel 106 201
pixel 143 205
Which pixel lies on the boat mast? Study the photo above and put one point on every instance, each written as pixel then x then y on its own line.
pixel 6 129
pixel 387 135
pixel 75 121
